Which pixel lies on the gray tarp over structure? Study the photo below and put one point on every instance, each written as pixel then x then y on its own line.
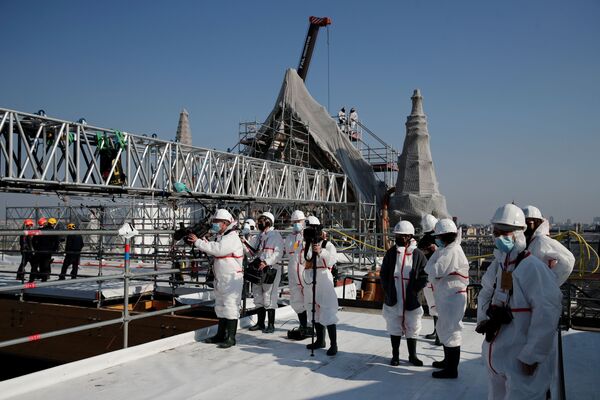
pixel 334 150
pixel 417 191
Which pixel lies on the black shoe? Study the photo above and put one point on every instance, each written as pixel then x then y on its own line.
pixel 451 369
pixel 441 364
pixel 61 278
pixel 395 350
pixel 433 335
pixel 271 325
pixel 412 353
pixel 260 325
pixel 332 332
pixel 220 336
pixel 437 340
pixel 231 329
pixel 319 336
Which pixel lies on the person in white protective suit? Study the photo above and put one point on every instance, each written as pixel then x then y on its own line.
pixel 428 247
pixel 228 254
pixel 556 256
pixel 448 271
pixel 320 257
pixel 402 277
pixel 269 251
pixel 249 237
pixel 518 309
pixel 294 246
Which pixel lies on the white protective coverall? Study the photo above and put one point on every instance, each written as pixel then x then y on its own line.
pixel 228 254
pixel 326 302
pixel 448 272
pixel 530 336
pixel 556 256
pixel 270 250
pixel 398 320
pixel 428 293
pixel 295 251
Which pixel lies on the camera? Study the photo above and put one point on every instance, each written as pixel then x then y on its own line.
pixel 199 229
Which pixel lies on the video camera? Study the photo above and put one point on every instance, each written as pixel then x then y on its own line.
pixel 312 233
pixel 499 315
pixel 199 229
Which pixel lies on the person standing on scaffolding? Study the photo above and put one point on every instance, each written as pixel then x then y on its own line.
pixel 26 247
pixel 73 248
pixel 320 256
pixel 294 249
pixel 353 122
pixel 343 120
pixel 228 253
pixel 428 247
pixel 270 252
pixel 45 247
pixel 402 277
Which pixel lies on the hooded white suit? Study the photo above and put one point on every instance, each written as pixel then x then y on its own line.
pixel 270 250
pixel 294 247
pixel 228 253
pixel 326 302
pixel 448 272
pixel 556 256
pixel 529 338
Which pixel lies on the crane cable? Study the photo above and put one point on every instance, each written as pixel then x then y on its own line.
pixel 328 73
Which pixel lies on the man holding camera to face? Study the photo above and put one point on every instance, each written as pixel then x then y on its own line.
pixel 320 298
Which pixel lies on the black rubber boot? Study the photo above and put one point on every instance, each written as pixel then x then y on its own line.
pixel 441 364
pixel 412 353
pixel 303 319
pixel 395 350
pixel 452 359
pixel 231 329
pixel 271 326
pixel 319 338
pixel 433 335
pixel 220 336
pixel 260 325
pixel 332 332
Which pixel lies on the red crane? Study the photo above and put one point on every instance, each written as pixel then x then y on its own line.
pixel 309 43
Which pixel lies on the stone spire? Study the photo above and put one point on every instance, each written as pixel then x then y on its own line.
pixel 417 191
pixel 184 134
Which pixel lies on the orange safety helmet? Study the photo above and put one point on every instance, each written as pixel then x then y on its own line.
pixel 42 221
pixel 28 222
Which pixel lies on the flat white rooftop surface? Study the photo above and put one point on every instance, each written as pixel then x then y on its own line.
pixel 269 366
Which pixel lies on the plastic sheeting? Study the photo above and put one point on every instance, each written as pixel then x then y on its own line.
pixel 417 191
pixel 339 153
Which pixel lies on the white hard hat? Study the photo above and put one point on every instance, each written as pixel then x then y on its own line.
pixel 223 214
pixel 428 222
pixel 250 222
pixel 312 220
pixel 509 215
pixel 404 228
pixel 267 214
pixel 532 212
pixel 445 225
pixel 297 215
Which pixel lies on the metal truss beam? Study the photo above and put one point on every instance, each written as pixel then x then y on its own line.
pixel 45 154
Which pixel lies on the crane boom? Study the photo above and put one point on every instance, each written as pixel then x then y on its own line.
pixel 309 43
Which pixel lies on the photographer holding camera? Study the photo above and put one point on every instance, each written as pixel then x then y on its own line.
pixel 270 252
pixel 518 309
pixel 320 257
pixel 228 254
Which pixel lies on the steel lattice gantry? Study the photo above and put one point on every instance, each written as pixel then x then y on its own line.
pixel 38 153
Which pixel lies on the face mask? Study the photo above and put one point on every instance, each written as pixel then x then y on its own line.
pixel 260 226
pixel 215 228
pixel 439 243
pixel 297 227
pixel 504 243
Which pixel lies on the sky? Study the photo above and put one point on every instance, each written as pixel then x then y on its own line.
pixel 511 88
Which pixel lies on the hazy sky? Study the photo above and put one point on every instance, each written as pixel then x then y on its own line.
pixel 511 88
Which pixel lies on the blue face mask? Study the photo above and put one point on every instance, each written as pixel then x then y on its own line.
pixel 297 227
pixel 215 227
pixel 504 243
pixel 439 243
